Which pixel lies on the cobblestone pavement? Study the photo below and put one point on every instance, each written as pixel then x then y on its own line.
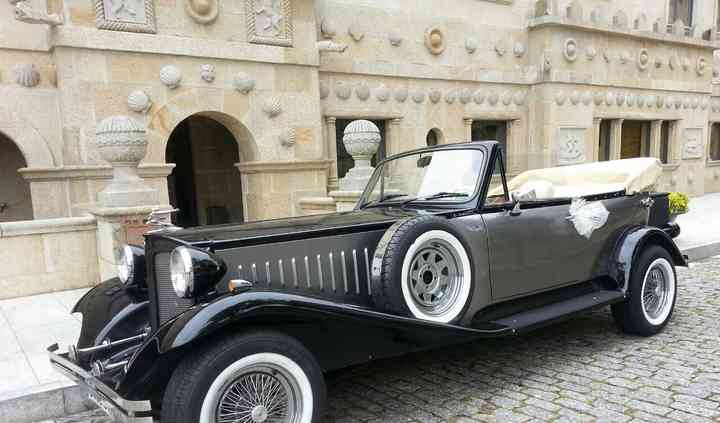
pixel 583 370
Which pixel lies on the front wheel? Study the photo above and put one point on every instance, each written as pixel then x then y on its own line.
pixel 653 288
pixel 254 378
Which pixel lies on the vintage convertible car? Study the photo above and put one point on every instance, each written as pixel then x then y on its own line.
pixel 238 323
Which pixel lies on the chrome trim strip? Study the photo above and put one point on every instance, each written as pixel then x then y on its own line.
pixel 332 270
pixel 267 272
pixel 254 273
pixel 239 270
pixel 367 271
pixel 357 275
pixel 320 272
pixel 307 271
pixel 344 269
pixel 294 270
pixel 282 273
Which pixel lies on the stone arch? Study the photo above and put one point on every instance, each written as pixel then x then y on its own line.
pixel 28 140
pixel 162 122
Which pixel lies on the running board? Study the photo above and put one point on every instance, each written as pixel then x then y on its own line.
pixel 527 320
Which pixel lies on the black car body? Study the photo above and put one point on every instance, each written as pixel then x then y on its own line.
pixel 315 279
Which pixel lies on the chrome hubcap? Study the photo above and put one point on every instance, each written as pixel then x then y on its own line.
pixel 655 292
pixel 434 277
pixel 260 394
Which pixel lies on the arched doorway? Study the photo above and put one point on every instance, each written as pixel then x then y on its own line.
pixel 15 200
pixel 205 184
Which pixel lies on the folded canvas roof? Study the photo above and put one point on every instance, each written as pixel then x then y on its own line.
pixel 631 175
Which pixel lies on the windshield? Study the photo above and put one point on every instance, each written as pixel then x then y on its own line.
pixel 448 176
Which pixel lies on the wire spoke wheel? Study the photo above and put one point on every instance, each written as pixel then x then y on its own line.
pixel 260 393
pixel 435 277
pixel 658 291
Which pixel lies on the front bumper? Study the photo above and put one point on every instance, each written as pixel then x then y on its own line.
pixel 120 409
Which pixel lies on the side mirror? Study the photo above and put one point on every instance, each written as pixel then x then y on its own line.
pixel 516 210
pixel 424 161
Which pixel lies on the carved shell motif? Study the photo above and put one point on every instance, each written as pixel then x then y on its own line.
pixel 382 93
pixel 244 83
pixel 435 96
pixel 401 94
pixel 171 76
pixel 272 107
pixel 26 75
pixel 139 102
pixel 207 73
pixel 288 137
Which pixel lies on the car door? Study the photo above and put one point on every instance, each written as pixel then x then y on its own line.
pixel 534 247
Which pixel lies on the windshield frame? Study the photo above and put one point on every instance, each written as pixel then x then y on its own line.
pixel 470 203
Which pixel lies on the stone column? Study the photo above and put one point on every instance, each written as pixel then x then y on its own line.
pixel 122 206
pixel 595 144
pixel 468 128
pixel 616 139
pixel 361 140
pixel 332 153
pixel 655 134
pixel 392 144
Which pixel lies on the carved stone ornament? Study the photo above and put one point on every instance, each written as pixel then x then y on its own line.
pixel 465 95
pixel 171 76
pixel 586 98
pixel 560 98
pixel 121 140
pixel 571 147
pixel 25 13
pixel 570 51
pixel 269 22
pixel 597 16
pixel 692 144
pixel 207 73
pixel 479 97
pixel 331 46
pixel 244 82
pixel 701 66
pixel 202 11
pixel 361 139
pixel 493 98
pixel 659 60
pixel 362 91
pixel 575 11
pixel 660 101
pixel 640 100
pixel 507 98
pixel 620 20
pixel 607 56
pixel 546 62
pixel 125 15
pixel 471 45
pixel 435 96
pixel 624 57
pixel 435 40
pixel 519 98
pixel 519 49
pixel 138 101
pixel 630 100
pixel 609 98
pixel 591 52
pixel 288 137
pixel 382 93
pixel 598 98
pixel 575 98
pixel 272 107
pixel 620 99
pixel 327 28
pixel 686 102
pixel 26 75
pixel 685 63
pixel 401 94
pixel 651 101
pixel 356 32
pixel 694 103
pixel 343 90
pixel 500 48
pixel 643 59
pixel 450 96
pixel 673 62
pixel 395 39
pixel 418 95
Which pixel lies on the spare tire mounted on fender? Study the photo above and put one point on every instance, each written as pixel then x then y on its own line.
pixel 422 268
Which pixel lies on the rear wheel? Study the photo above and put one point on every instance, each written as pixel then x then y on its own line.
pixel 255 378
pixel 653 289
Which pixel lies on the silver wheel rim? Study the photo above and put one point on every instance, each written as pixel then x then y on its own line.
pixel 260 393
pixel 658 291
pixel 434 277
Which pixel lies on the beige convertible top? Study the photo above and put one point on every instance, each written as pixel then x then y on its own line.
pixel 631 175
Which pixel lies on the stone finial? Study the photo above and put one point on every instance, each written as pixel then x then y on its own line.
pixel 575 11
pixel 620 20
pixel 678 28
pixel 660 26
pixel 545 8
pixel 122 142
pixel 25 13
pixel 361 140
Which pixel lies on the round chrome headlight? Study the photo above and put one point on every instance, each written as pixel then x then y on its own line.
pixel 126 267
pixel 181 272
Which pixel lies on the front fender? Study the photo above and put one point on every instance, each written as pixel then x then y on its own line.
pixel 110 312
pixel 629 246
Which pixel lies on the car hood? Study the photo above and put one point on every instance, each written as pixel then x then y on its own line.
pixel 290 228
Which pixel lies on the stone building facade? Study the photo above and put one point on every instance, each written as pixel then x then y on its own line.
pixel 245 101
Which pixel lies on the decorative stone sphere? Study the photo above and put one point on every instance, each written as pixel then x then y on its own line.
pixel 272 107
pixel 121 140
pixel 244 83
pixel 361 139
pixel 138 101
pixel 171 76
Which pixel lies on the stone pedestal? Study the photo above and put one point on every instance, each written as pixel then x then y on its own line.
pixel 345 200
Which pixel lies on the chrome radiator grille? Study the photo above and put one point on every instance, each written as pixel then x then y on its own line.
pixel 169 304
